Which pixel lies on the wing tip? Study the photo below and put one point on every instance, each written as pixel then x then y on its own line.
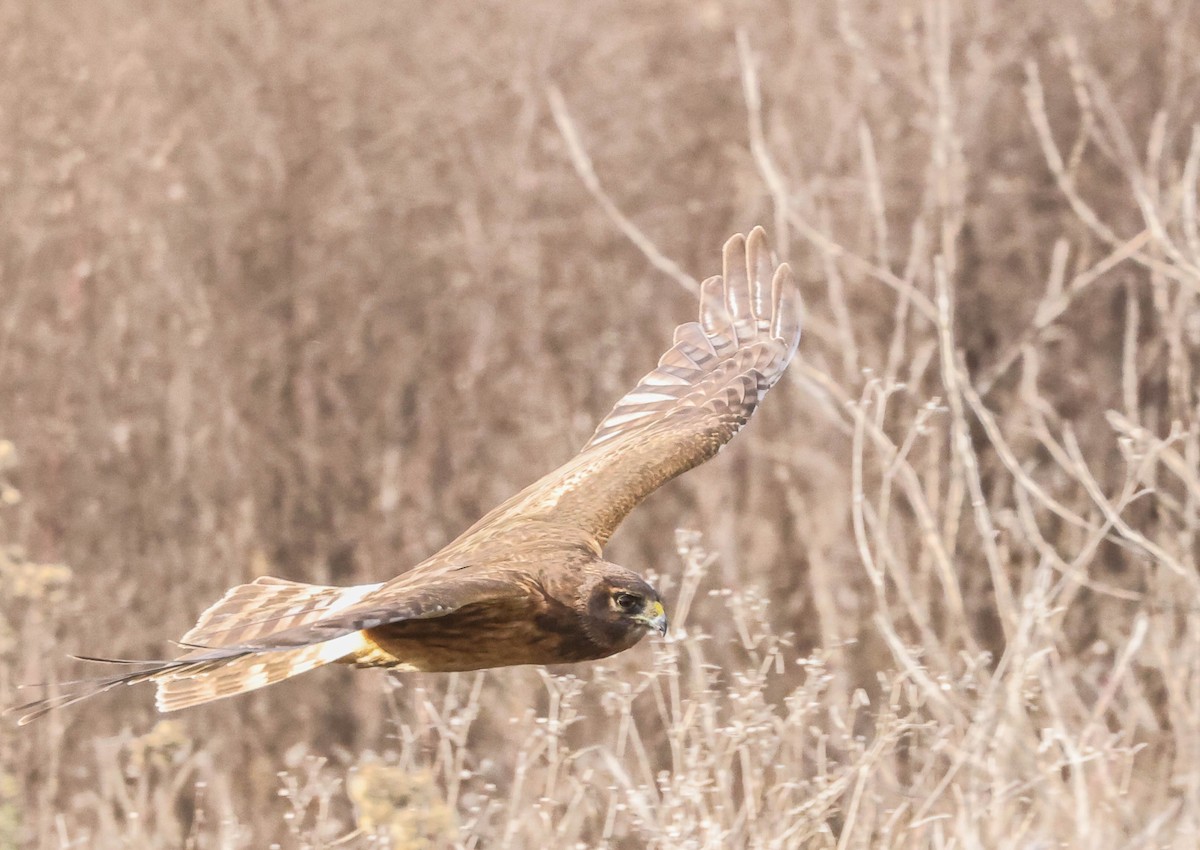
pixel 751 255
pixel 733 258
pixel 754 305
pixel 758 253
pixel 787 309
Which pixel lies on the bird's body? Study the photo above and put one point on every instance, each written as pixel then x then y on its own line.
pixel 534 627
pixel 527 584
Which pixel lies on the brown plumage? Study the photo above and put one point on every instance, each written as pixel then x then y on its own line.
pixel 527 584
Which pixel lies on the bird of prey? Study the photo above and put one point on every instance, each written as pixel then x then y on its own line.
pixel 528 583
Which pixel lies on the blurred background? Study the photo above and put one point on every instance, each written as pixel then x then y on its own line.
pixel 303 290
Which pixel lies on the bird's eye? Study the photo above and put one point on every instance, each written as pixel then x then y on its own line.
pixel 626 601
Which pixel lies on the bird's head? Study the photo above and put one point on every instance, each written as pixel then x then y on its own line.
pixel 621 608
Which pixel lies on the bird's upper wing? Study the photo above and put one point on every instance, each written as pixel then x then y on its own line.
pixel 704 389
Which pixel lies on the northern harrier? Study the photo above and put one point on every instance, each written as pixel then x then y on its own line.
pixel 527 584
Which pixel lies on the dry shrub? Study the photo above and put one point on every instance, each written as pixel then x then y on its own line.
pixel 306 289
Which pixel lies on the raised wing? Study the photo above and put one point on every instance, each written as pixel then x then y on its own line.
pixel 704 389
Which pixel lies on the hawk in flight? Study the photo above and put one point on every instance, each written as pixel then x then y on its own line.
pixel 528 583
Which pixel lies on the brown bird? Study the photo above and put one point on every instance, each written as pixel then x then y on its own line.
pixel 527 584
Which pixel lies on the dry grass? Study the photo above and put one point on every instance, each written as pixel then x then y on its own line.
pixel 306 289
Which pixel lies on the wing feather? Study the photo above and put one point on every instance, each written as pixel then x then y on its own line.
pixel 253 611
pixel 703 390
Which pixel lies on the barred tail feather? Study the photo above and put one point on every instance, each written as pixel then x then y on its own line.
pixel 184 687
pixel 204 676
pixel 230 649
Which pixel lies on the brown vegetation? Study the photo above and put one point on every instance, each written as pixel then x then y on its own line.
pixel 306 288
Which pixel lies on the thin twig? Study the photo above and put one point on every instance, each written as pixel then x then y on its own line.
pixel 587 173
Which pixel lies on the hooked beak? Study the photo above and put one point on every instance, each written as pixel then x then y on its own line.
pixel 654 617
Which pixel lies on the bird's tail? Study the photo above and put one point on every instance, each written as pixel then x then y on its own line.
pixel 184 687
pixel 229 648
